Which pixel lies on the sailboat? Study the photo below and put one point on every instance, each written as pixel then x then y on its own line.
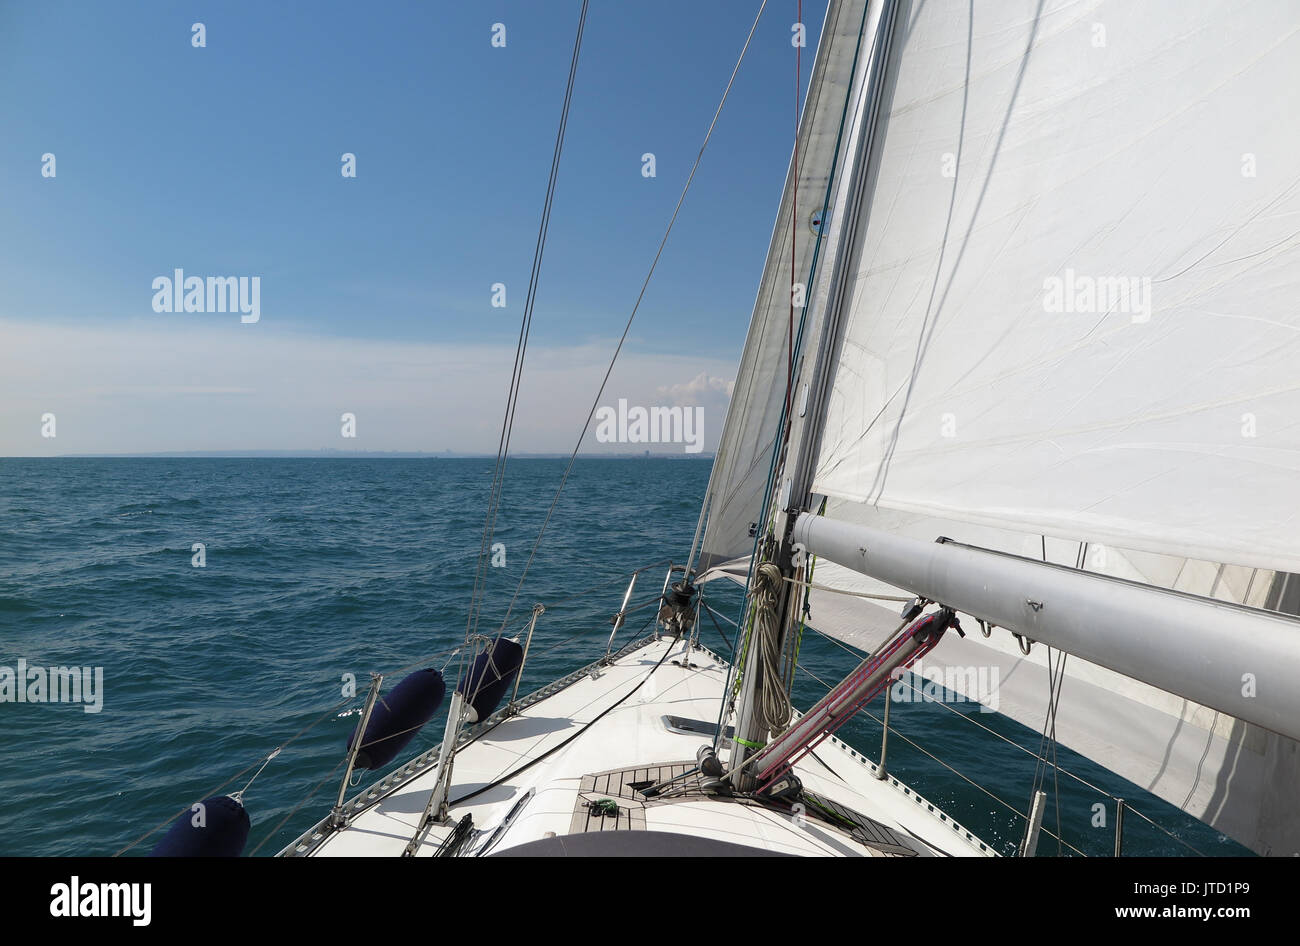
pixel 1019 393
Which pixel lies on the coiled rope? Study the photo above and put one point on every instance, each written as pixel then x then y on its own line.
pixel 773 702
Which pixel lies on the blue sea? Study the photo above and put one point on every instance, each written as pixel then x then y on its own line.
pixel 313 569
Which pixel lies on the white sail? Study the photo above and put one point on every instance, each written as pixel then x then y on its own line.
pixel 1071 335
pixel 1075 305
pixel 1087 334
pixel 826 135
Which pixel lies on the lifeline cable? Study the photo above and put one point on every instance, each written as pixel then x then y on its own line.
pixel 603 713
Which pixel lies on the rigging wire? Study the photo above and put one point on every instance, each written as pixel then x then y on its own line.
pixel 261 759
pixel 507 426
pixel 1041 760
pixel 1056 768
pixel 767 511
pixel 894 730
pixel 1064 771
pixel 1128 807
pixel 512 402
pixel 333 711
pixel 556 748
pixel 571 639
pixel 239 795
pixel 846 591
pixel 182 811
pixel 794 210
pixel 641 295
pixel 521 349
pixel 718 627
pixel 482 733
pixel 1055 680
pixel 298 807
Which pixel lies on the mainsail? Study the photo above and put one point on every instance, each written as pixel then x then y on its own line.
pixel 1070 335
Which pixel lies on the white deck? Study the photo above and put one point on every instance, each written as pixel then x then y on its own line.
pixel 635 735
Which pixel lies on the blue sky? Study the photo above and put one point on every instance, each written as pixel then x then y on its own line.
pixel 375 291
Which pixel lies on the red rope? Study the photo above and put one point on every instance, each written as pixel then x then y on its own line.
pixel 773 772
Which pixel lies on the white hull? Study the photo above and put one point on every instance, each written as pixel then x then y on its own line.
pixel 546 800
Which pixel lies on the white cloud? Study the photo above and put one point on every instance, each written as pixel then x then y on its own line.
pixel 178 384
pixel 702 389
